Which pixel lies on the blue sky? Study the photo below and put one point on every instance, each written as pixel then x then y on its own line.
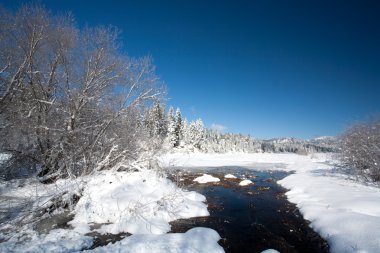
pixel 265 68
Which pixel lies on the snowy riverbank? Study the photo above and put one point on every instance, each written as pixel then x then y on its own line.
pixel 343 211
pixel 141 203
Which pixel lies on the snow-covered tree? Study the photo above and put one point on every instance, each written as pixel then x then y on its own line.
pixel 185 132
pixel 178 126
pixel 211 140
pixel 70 99
pixel 360 149
pixel 196 134
pixel 159 120
pixel 171 131
pixel 155 121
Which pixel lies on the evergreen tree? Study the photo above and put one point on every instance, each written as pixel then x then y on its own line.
pixel 158 120
pixel 178 126
pixel 171 131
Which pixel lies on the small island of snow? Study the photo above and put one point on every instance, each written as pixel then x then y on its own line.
pixel 245 182
pixel 206 179
pixel 229 176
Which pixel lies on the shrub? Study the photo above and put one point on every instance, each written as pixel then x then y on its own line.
pixel 360 149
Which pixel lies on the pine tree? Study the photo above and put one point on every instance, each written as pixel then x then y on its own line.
pixel 158 120
pixel 171 131
pixel 178 127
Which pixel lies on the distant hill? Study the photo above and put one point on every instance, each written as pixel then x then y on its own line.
pixel 294 145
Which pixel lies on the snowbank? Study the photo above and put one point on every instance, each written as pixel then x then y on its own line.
pixel 141 202
pixel 196 240
pixel 138 203
pixel 343 211
pixel 206 179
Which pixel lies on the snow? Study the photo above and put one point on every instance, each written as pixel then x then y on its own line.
pixel 245 182
pixel 58 240
pixel 229 176
pixel 138 203
pixel 196 240
pixel 270 251
pixel 4 157
pixel 344 211
pixel 228 159
pixel 142 202
pixel 22 197
pixel 206 179
pixel 322 138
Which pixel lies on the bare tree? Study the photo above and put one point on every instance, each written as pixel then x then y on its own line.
pixel 360 149
pixel 70 101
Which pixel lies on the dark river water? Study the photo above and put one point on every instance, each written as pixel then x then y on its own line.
pixel 249 218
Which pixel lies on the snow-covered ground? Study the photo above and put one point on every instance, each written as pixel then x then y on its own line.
pixel 141 203
pixel 193 241
pixel 274 161
pixel 342 210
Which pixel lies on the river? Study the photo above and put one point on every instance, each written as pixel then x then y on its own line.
pixel 249 218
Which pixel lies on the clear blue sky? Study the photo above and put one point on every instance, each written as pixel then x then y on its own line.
pixel 265 68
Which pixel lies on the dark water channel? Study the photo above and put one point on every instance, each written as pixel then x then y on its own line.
pixel 249 218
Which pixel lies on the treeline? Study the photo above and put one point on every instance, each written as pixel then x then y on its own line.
pixel 174 132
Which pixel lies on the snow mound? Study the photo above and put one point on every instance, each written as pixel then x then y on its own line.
pixel 229 176
pixel 270 251
pixel 206 179
pixel 196 240
pixel 139 203
pixel 245 182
